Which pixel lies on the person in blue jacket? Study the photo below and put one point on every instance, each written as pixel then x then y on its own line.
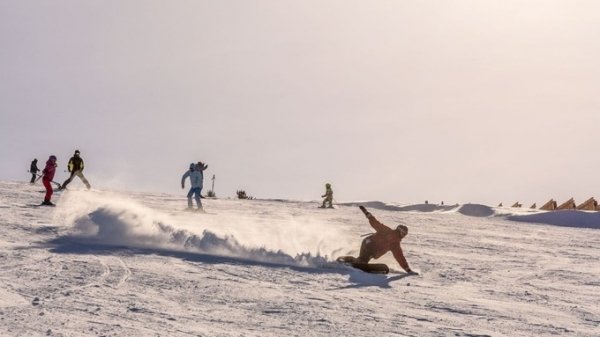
pixel 196 186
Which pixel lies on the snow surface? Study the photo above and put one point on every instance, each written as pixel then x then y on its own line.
pixel 108 263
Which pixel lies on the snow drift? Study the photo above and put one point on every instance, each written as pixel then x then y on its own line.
pixel 109 219
pixel 569 218
pixel 126 228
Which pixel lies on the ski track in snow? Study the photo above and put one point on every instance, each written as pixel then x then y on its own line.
pixel 145 268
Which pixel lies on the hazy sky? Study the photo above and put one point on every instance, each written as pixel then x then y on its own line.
pixel 462 101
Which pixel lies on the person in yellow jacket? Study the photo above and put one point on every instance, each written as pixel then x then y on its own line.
pixel 75 167
pixel 328 196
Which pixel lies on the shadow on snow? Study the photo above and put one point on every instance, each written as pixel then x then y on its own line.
pixel 84 246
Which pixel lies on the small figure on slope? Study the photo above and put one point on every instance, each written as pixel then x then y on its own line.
pixel 48 175
pixel 75 167
pixel 33 169
pixel 382 241
pixel 196 182
pixel 328 196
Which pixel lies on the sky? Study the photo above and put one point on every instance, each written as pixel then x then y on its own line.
pixel 402 101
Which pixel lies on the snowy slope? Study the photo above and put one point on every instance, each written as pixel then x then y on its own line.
pixel 130 264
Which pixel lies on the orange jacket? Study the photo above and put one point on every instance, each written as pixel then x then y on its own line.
pixel 384 240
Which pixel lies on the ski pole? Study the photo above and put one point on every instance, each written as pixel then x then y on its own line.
pixel 52 181
pixel 38 178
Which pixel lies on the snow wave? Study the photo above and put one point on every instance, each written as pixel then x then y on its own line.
pixel 124 227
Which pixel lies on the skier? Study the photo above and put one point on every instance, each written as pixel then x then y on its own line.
pixel 33 169
pixel 196 182
pixel 48 175
pixel 382 241
pixel 75 167
pixel 328 196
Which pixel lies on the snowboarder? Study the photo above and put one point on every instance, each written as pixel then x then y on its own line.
pixel 328 196
pixel 75 167
pixel 382 241
pixel 33 169
pixel 48 175
pixel 196 182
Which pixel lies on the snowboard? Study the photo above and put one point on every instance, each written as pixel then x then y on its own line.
pixel 373 268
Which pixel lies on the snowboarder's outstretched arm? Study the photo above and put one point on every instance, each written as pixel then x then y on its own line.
pixel 399 256
pixel 201 166
pixel 374 222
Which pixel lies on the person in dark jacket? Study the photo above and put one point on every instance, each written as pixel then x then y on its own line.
pixel 382 241
pixel 33 169
pixel 48 175
pixel 75 167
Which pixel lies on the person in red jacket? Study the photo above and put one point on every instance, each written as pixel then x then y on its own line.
pixel 382 241
pixel 48 175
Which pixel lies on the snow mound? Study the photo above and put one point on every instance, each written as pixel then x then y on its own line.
pixel 476 210
pixel 567 218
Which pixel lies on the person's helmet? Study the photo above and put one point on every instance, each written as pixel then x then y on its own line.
pixel 76 151
pixel 192 166
pixel 53 157
pixel 328 185
pixel 403 230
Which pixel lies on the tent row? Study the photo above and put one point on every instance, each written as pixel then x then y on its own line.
pixel 589 205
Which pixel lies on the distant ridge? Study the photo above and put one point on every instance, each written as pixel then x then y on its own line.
pixel 409 208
